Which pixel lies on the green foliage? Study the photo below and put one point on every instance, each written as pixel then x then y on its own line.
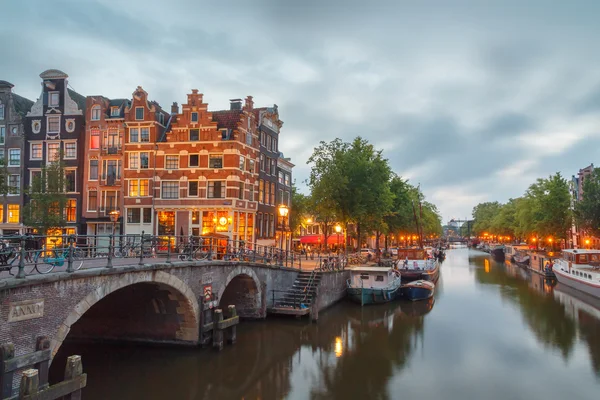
pixel 47 199
pixel 483 215
pixel 587 210
pixel 299 208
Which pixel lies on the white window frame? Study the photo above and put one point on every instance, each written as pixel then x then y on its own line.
pixel 114 111
pixel 170 198
pixel 18 186
pixel 138 135
pixel 88 200
pixel 142 129
pixel 223 188
pixel 139 187
pixel 65 149
pixel 96 109
pixel 50 94
pixel 2 109
pixel 215 156
pixel 75 171
pixel 31 144
pixel 197 186
pixel 97 170
pixel 8 162
pixel 2 135
pixel 171 155
pixel 48 160
pixel 52 117
pixel 31 171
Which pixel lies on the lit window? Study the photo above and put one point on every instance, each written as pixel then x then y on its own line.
pixel 13 213
pixel 96 113
pixel 95 139
pixel 52 152
pixel 54 124
pixel 144 184
pixel 139 113
pixel 170 190
pixel 194 117
pixel 53 99
pixel 14 157
pixel 70 150
pixel 71 211
pixel 171 162
pixel 133 188
pixel 36 151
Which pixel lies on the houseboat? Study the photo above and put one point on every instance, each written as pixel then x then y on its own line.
pixel 417 264
pixel 418 290
pixel 373 285
pixel 517 253
pixel 497 252
pixel 579 269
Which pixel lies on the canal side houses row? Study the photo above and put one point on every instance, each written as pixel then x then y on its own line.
pixel 183 171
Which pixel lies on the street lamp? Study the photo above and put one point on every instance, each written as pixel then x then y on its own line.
pixel 587 243
pixel 283 213
pixel 338 229
pixel 114 217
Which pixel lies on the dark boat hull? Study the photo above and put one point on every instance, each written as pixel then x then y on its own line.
pixel 415 293
pixel 372 296
pixel 432 275
pixel 497 254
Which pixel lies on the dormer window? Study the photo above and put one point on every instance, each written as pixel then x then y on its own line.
pixel 194 117
pixel 161 119
pixel 53 99
pixel 114 111
pixel 96 113
pixel 139 113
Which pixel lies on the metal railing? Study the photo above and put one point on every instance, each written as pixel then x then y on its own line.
pixel 24 255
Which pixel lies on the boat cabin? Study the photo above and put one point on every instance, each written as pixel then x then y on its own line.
pixel 371 277
pixel 585 257
pixel 412 254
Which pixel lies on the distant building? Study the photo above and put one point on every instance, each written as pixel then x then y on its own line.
pixel 13 109
pixel 577 235
pixel 284 195
pixel 55 124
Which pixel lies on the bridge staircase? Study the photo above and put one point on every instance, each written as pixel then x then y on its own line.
pixel 297 299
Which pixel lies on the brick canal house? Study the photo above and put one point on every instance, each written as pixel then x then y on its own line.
pixel 284 197
pixel 55 123
pixel 103 166
pixel 145 124
pixel 269 125
pixel 12 115
pixel 207 169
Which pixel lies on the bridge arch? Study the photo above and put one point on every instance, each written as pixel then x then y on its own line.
pixel 243 289
pixel 152 305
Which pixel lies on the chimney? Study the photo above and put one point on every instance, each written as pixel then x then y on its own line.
pixel 235 104
pixel 174 108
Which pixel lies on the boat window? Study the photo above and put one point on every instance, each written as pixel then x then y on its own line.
pixel 379 278
pixel 594 257
pixel 582 258
pixel 364 276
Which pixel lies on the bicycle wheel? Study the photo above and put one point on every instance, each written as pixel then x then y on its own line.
pixel 43 267
pixel 77 260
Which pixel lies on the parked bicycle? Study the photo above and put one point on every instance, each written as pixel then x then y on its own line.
pixel 44 261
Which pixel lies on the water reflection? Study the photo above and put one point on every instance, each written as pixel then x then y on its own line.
pixel 557 315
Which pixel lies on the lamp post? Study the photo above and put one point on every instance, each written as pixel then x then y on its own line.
pixel 283 213
pixel 338 229
pixel 114 217
pixel 587 243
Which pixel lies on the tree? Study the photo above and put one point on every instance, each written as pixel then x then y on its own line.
pixel 587 209
pixel 47 199
pixel 299 208
pixel 550 206
pixel 483 214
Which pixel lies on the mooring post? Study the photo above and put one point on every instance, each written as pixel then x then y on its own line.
pixel 7 352
pixel 21 273
pixel 73 369
pixel 42 343
pixel 29 383
pixel 217 332
pixel 232 332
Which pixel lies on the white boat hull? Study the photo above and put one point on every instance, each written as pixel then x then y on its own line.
pixel 565 278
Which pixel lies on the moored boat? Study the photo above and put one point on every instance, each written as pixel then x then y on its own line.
pixel 418 290
pixel 497 252
pixel 373 285
pixel 414 265
pixel 579 269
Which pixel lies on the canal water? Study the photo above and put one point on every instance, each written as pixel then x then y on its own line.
pixel 494 331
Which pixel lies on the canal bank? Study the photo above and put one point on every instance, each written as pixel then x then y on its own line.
pixel 493 332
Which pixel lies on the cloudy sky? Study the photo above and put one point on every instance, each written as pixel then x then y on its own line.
pixel 472 99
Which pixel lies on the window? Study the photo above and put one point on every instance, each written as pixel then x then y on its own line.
pixel 262 162
pixel 241 191
pixel 92 200
pixel 161 119
pixel 14 184
pixel 171 162
pixel 273 168
pixel 194 134
pixel 54 124
pixel 71 211
pixel 14 130
pixel 2 154
pixel 1 111
pixel 215 162
pixel 281 177
pixel 272 194
pixel 193 160
pixel 192 188
pixel 364 276
pixel 275 145
pixel 13 214
pixel 134 135
pixel 249 138
pixel 261 191
pixel 251 166
pixel 147 215
pixel 138 160
pixel 70 181
pixel 194 117
pixel 145 136
pixel 95 139
pixel 114 111
pixel 52 152
pixel 14 157
pixel 242 162
pixel 133 215
pixel 144 187
pixel 144 160
pixel 139 113
pixel 216 189
pixel 53 99
pixel 36 151
pixel 251 194
pixel 134 188
pixel 379 278
pixel 70 150
pixel 2 134
pixel 93 170
pixel 269 143
pixel 170 189
pixel 287 180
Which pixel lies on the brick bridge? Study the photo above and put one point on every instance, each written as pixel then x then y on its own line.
pixel 149 303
